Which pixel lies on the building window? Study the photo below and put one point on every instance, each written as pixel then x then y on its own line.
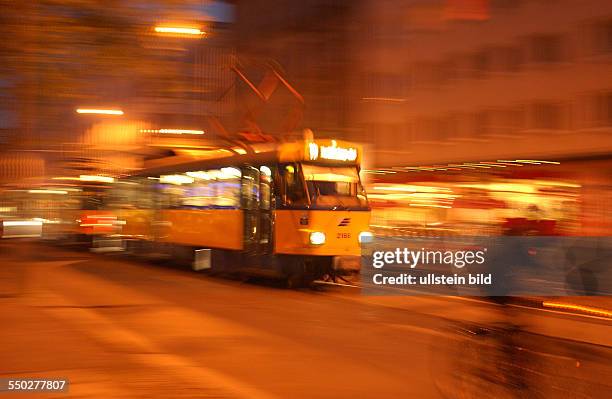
pixel 545 48
pixel 546 116
pixel 439 73
pixel 505 4
pixel 602 37
pixel 421 74
pixel 449 69
pixel 424 129
pixel 384 85
pixel 606 108
pixel 446 127
pixel 464 68
pixel 482 123
pixel 597 110
pixel 505 59
pixel 465 125
pixel 607 42
pixel 474 65
pixel 480 64
pixel 507 122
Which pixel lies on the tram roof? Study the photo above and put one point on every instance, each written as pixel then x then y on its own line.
pixel 173 165
pixel 333 152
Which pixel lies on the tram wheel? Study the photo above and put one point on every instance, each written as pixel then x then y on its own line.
pixel 302 272
pixel 294 271
pixel 295 280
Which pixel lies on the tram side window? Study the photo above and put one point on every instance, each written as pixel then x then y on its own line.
pixel 292 184
pixel 250 187
pixel 265 185
pixel 217 188
pixel 130 194
pixel 169 196
pixel 92 199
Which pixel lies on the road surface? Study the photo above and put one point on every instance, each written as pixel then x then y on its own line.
pixel 125 328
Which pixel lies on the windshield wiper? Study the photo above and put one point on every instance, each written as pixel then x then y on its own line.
pixel 342 205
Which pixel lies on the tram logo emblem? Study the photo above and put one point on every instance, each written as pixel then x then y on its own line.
pixel 344 222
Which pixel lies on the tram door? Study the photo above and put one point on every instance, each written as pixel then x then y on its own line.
pixel 256 202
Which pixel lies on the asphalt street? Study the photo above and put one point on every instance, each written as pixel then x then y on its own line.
pixel 117 327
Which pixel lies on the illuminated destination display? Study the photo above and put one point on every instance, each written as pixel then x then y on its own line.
pixel 332 152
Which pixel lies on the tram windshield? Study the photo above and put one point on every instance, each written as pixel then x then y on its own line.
pixel 335 187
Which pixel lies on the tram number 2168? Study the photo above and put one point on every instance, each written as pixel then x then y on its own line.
pixel 343 235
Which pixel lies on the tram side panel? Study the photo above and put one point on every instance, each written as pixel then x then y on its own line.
pixel 136 223
pixel 205 228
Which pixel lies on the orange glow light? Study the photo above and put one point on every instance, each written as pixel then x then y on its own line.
pixel 179 30
pixel 580 308
pixel 99 111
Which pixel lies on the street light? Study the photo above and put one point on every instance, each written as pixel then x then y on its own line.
pixel 99 111
pixel 172 131
pixel 179 30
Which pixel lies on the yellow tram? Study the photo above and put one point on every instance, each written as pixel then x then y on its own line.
pixel 285 211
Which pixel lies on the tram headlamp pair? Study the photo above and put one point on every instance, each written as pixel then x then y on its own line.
pixel 365 237
pixel 317 238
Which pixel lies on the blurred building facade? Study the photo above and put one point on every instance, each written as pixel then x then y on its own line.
pixel 310 42
pixel 471 80
pixel 68 55
pixel 445 80
pixel 460 81
pixel 201 87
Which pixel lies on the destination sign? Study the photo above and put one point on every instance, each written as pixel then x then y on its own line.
pixel 331 152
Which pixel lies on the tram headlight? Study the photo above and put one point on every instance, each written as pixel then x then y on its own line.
pixel 365 237
pixel 317 238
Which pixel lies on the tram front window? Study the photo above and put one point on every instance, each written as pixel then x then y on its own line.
pixel 334 186
pixel 295 194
